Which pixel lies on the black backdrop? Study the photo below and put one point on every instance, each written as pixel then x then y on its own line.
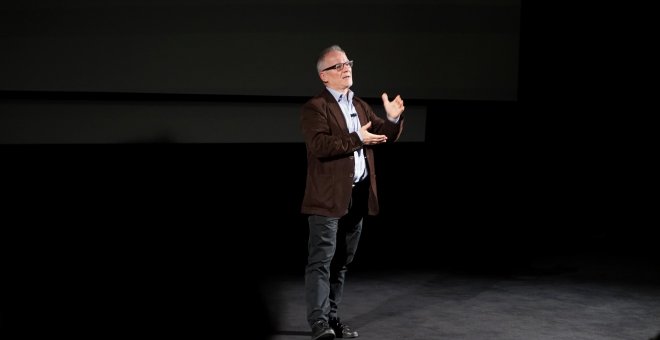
pixel 536 168
pixel 463 50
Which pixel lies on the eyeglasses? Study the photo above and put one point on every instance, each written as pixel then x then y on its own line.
pixel 339 66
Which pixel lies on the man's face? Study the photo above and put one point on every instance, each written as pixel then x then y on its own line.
pixel 337 79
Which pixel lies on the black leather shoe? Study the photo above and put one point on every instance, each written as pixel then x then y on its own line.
pixel 322 331
pixel 342 330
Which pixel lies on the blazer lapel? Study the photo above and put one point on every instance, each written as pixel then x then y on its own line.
pixel 335 110
pixel 362 115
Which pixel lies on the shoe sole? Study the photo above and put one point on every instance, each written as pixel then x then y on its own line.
pixel 346 337
pixel 328 336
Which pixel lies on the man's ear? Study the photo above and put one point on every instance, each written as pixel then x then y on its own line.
pixel 323 77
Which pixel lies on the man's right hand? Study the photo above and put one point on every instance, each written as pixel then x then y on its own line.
pixel 369 138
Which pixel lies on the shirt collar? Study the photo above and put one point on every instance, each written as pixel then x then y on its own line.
pixel 339 96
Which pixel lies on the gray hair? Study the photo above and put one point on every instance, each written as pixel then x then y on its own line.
pixel 324 53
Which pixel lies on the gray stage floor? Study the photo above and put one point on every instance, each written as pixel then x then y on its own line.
pixel 576 298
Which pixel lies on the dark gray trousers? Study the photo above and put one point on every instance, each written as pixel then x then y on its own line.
pixel 331 248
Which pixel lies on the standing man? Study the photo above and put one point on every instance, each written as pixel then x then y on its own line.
pixel 339 129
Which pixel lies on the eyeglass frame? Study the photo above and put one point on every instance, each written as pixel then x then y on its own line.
pixel 339 66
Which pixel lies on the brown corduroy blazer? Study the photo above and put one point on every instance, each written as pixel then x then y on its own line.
pixel 330 147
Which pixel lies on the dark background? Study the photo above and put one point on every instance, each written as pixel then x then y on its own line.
pixel 526 143
pixel 465 50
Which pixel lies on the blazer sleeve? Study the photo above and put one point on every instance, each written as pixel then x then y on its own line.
pixel 382 126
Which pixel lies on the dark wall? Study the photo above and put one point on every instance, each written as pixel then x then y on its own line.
pixel 547 172
pixel 139 230
pixel 560 170
pixel 463 50
pixel 488 184
pixel 110 118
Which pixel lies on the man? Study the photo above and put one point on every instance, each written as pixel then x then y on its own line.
pixel 339 129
